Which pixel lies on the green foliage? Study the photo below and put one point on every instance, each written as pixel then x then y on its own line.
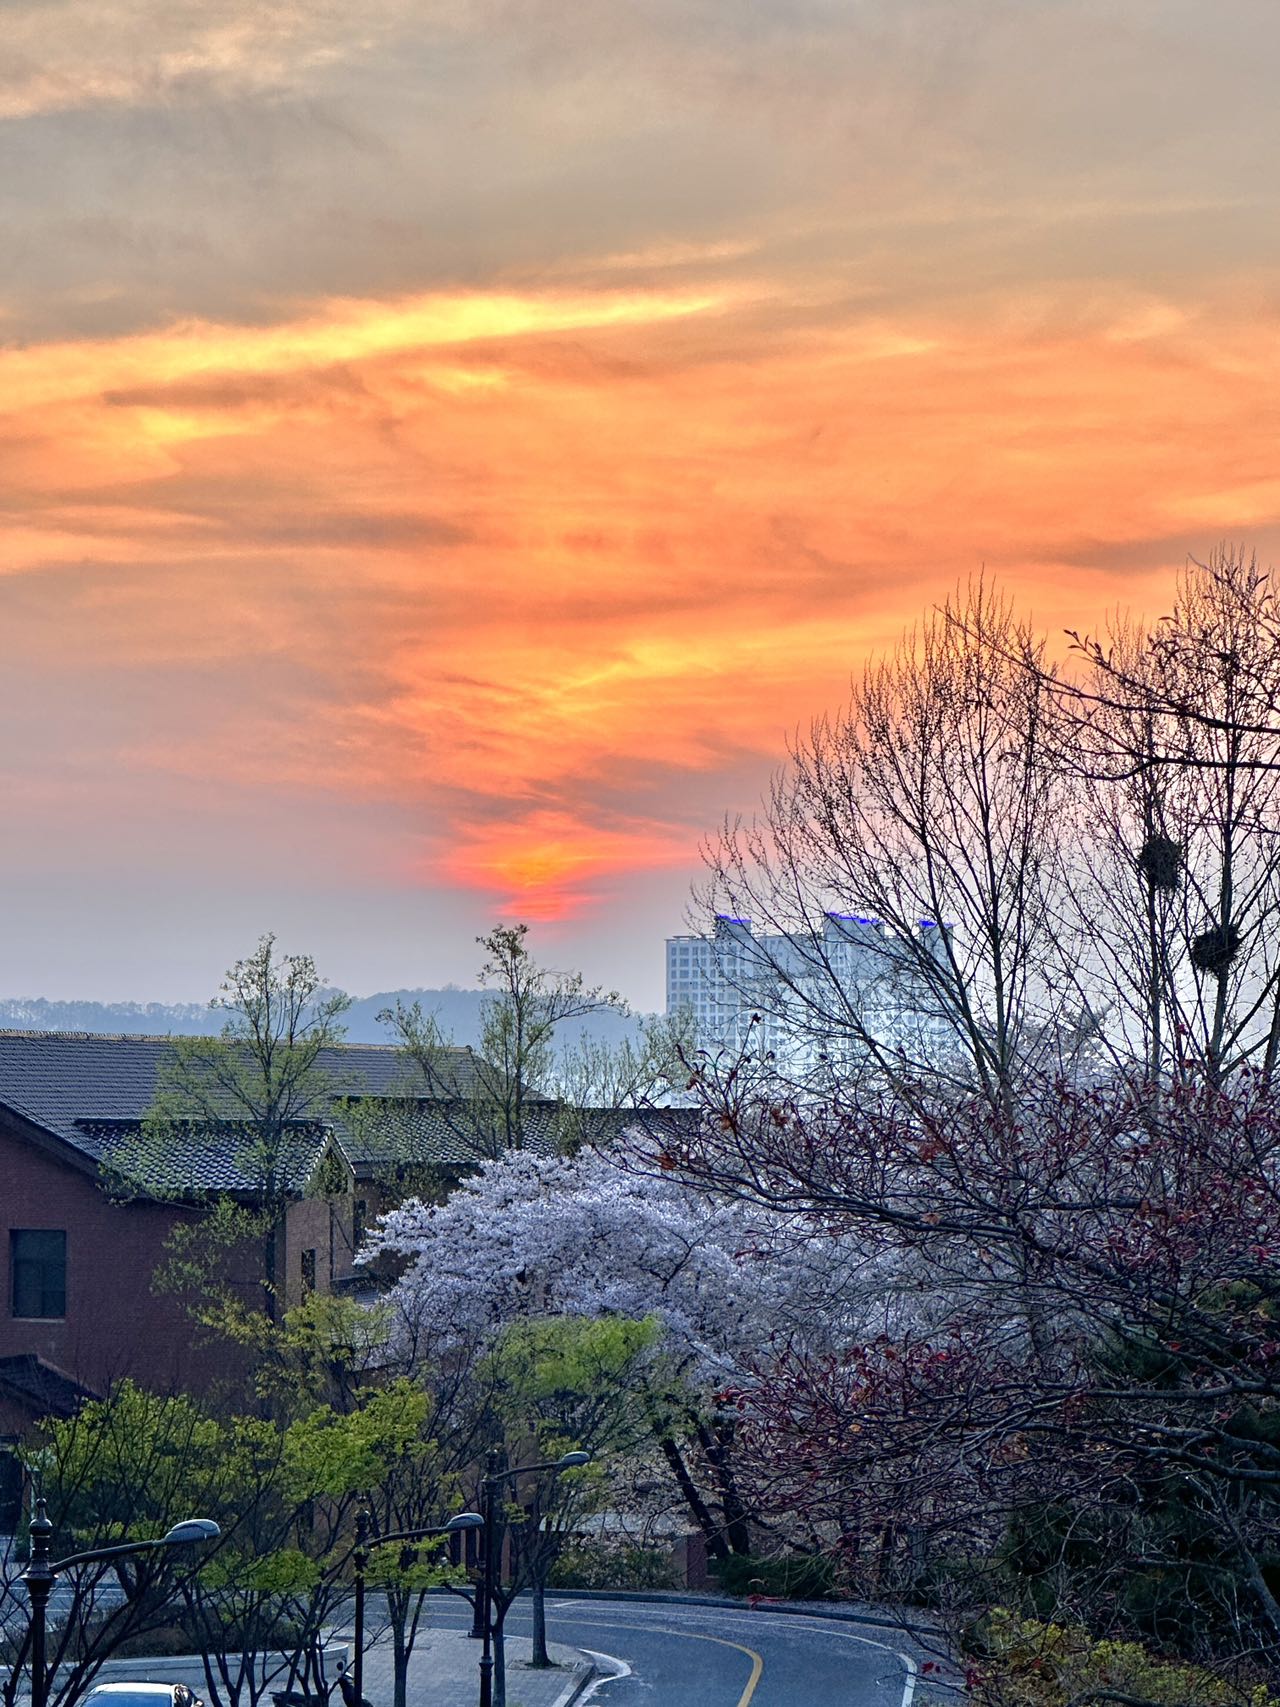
pixel 332 1179
pixel 632 1073
pixel 788 1576
pixel 527 1004
pixel 572 1356
pixel 201 1258
pixel 334 1454
pixel 515 1065
pixel 603 1565
pixel 247 1087
pixel 128 1462
pixel 412 1569
pixel 287 1571
pixel 295 1358
pixel 284 1488
pixel 388 1129
pixel 1026 1663
pixel 575 1382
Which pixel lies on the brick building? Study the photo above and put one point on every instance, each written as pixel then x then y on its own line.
pixel 77 1305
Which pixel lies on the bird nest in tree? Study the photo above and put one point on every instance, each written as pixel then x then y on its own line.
pixel 1160 862
pixel 1214 950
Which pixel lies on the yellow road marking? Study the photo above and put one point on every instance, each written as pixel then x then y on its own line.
pixel 757 1663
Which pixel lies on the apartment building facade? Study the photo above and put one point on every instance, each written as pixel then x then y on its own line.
pixel 810 998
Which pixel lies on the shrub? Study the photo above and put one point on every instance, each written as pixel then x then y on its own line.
pixel 603 1564
pixel 168 1641
pixel 1025 1663
pixel 790 1576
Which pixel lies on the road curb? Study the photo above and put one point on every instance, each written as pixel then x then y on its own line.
pixel 587 1671
pixel 729 1603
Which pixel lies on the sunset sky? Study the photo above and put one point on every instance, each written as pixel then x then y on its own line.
pixel 446 445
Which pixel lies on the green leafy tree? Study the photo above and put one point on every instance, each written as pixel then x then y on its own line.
pixel 554 1385
pixel 597 1079
pixel 514 1072
pixel 284 1492
pixel 322 1350
pixel 383 1452
pixel 256 1088
pixel 124 1467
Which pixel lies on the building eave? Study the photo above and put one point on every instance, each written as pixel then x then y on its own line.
pixel 59 1149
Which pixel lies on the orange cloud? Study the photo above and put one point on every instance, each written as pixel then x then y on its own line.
pixel 548 865
pixel 551 572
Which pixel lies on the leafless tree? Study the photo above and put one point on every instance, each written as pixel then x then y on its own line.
pixel 901 876
pixel 1171 748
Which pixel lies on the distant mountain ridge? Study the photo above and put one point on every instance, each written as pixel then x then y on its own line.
pixel 457 1010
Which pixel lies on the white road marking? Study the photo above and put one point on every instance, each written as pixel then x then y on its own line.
pixel 620 1669
pixel 909 1687
pixel 778 1620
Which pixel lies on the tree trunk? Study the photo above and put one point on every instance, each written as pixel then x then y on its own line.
pixel 541 1658
pixel 693 1499
pixel 270 1268
pixel 716 1443
pixel 499 1663
pixel 400 1664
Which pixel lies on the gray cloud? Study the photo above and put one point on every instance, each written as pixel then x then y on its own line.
pixel 236 159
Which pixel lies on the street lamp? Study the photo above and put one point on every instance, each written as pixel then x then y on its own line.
pixel 489 1502
pixel 41 1571
pixel 360 1558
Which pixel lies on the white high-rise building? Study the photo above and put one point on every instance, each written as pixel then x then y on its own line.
pixel 806 997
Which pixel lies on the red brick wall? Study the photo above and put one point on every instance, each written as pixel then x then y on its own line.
pixel 318 1225
pixel 115 1325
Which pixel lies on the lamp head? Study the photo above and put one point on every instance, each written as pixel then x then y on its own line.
pixel 464 1520
pixel 189 1530
pixel 573 1460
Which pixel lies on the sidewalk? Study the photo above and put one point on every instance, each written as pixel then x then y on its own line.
pixel 444 1671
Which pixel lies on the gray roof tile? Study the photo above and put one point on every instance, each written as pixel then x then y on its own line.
pixel 60 1078
pixel 93 1091
pixel 198 1158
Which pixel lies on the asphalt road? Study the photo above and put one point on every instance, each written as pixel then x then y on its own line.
pixel 684 1656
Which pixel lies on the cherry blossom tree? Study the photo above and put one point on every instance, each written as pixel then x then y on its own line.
pixel 531 1236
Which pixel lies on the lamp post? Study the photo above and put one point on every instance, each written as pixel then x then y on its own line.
pixel 42 1570
pixel 365 1539
pixel 488 1580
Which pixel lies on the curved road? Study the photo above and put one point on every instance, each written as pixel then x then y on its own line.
pixel 701 1656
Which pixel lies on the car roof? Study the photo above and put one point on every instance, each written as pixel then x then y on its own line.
pixel 138 1688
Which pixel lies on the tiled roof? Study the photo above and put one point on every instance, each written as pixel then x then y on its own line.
pixel 454 1134
pixel 198 1158
pixel 434 1131
pixel 59 1079
pixel 41 1387
pixel 93 1091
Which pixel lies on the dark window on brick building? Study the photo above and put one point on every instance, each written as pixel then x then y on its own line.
pixel 359 1223
pixel 10 1487
pixel 38 1272
pixel 308 1271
